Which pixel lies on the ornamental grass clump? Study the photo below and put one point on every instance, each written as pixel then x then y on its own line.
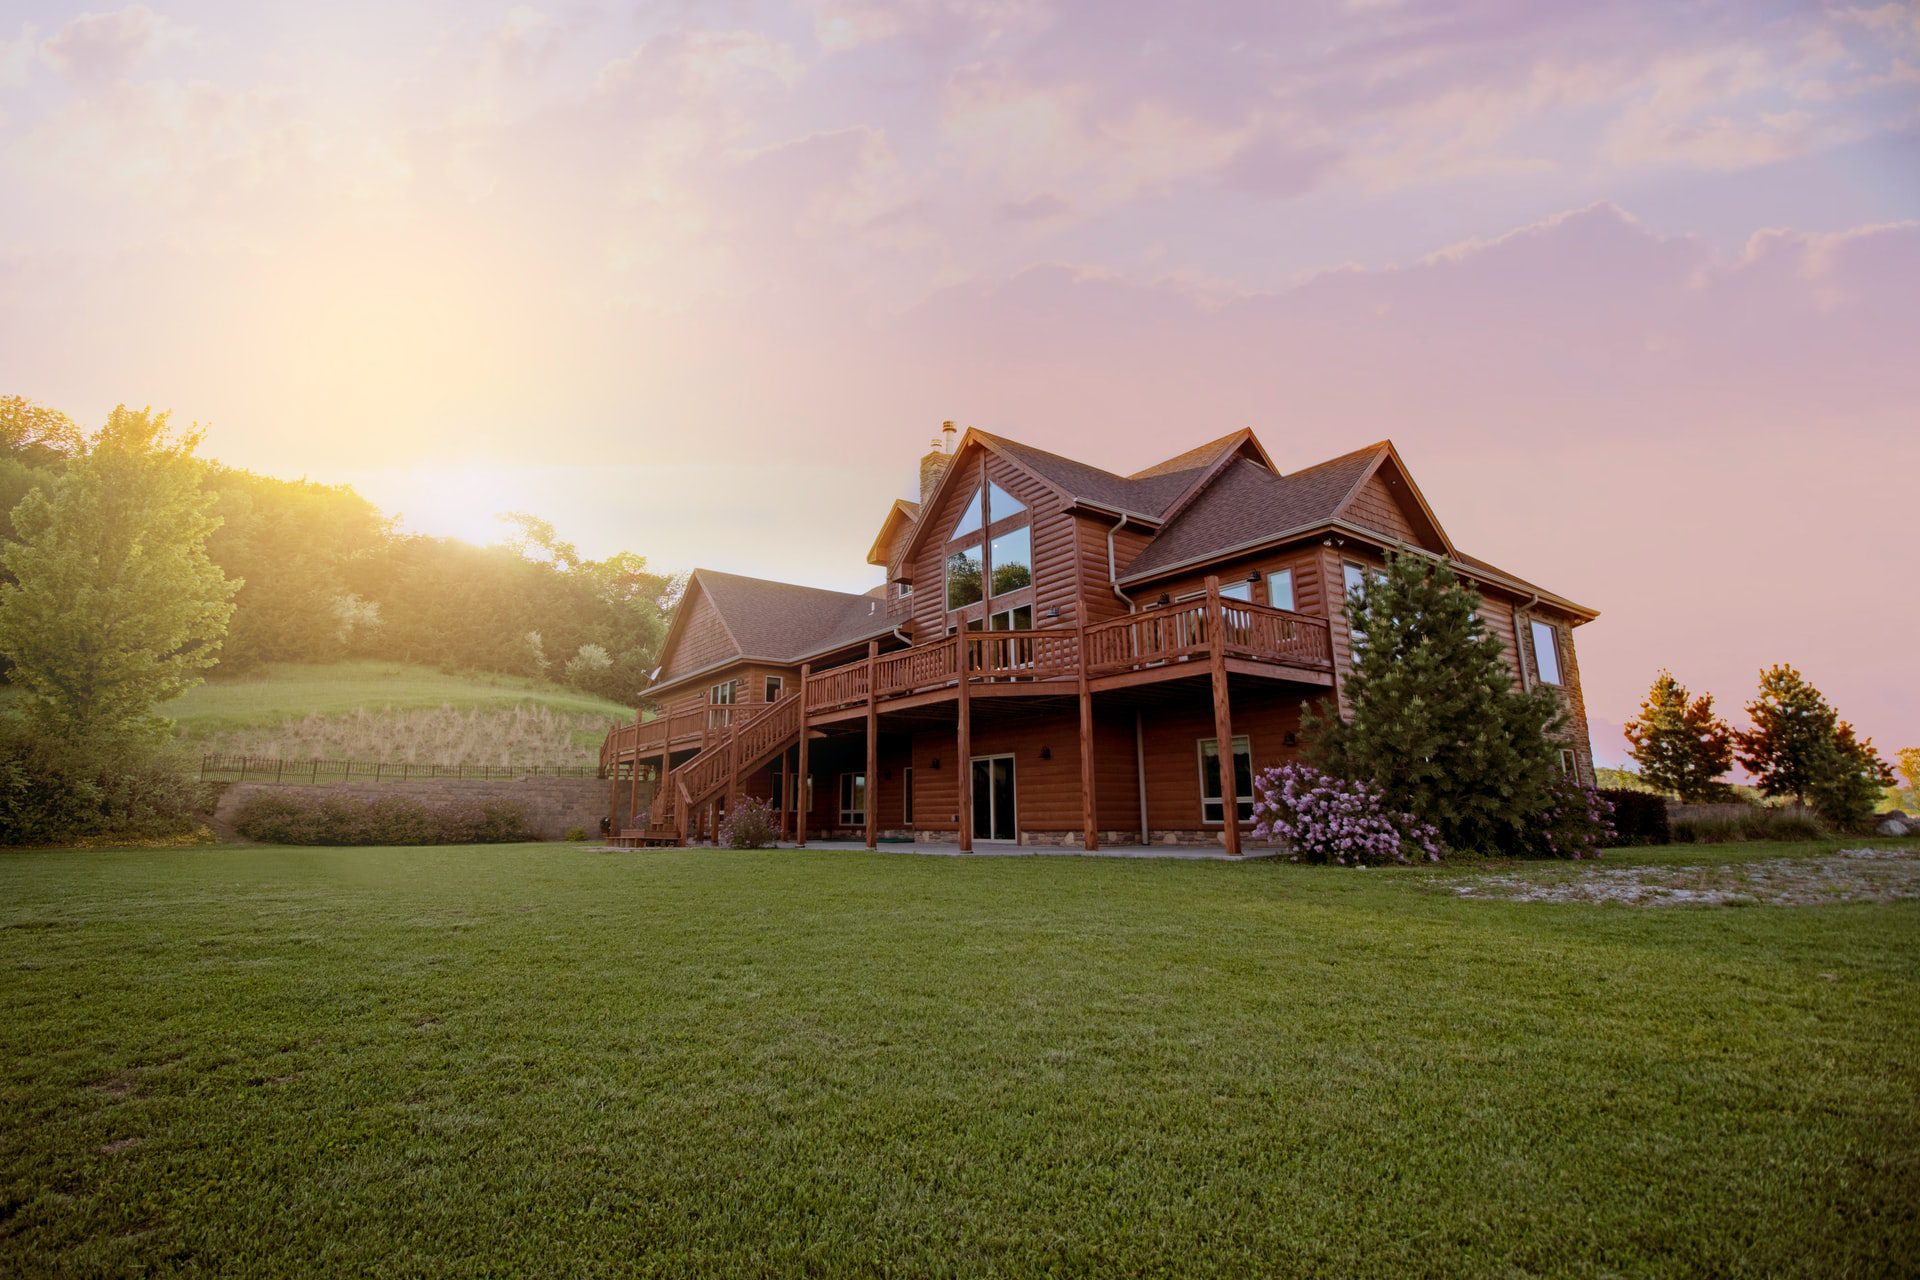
pixel 1322 818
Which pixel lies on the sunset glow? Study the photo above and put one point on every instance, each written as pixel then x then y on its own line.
pixel 1632 287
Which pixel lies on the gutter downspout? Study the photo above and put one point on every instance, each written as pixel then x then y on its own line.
pixel 1113 571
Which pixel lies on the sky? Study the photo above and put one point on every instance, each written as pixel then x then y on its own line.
pixel 1635 288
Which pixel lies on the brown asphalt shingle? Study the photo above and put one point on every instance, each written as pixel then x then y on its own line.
pixel 1246 503
pixel 1145 493
pixel 785 621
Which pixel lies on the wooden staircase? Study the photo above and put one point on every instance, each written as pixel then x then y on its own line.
pixel 718 767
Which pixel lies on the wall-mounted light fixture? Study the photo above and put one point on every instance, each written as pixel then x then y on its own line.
pixel 1053 614
pixel 1046 753
pixel 1292 739
pixel 935 766
pixel 1253 575
pixel 1164 599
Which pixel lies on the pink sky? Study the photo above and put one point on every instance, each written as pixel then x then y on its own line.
pixel 1633 287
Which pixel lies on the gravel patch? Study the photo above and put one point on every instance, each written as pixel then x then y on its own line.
pixel 1848 875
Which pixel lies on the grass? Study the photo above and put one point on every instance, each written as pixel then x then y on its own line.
pixel 394 712
pixel 537 1059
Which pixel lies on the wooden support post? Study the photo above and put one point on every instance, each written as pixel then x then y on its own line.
pixel 613 795
pixel 1140 772
pixel 964 741
pixel 633 791
pixel 1222 715
pixel 1089 811
pixel 800 774
pixel 872 801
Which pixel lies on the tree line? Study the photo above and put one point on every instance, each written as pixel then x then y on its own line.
pixel 1798 747
pixel 322 574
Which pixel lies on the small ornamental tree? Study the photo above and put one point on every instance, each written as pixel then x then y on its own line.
pixel 1322 818
pixel 1438 725
pixel 1680 745
pixel 1910 770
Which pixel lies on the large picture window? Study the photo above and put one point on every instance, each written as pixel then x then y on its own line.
pixel 963 578
pixel 1012 556
pixel 1211 801
pixel 1280 589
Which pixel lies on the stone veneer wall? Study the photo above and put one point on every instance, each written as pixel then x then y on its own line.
pixel 553 805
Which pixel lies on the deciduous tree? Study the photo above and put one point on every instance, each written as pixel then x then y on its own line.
pixel 115 605
pixel 1681 746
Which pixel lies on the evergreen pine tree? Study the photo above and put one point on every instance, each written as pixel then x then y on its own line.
pixel 1680 745
pixel 1438 723
pixel 1851 782
pixel 1791 742
pixel 116 606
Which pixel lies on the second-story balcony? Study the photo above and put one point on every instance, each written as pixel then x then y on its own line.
pixel 1157 644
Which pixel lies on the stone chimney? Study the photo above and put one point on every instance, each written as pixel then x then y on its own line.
pixel 934 463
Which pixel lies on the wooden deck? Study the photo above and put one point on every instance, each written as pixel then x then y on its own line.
pixel 1159 644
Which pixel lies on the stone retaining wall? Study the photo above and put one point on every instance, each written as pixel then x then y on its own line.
pixel 553 806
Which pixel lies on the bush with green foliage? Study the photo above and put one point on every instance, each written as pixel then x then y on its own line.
pixel 749 824
pixel 1437 723
pixel 1321 818
pixel 1639 817
pixel 279 817
pixel 54 792
pixel 1759 824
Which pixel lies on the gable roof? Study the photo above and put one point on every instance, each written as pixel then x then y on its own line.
pixel 902 509
pixel 780 621
pixel 1247 503
pixel 1150 493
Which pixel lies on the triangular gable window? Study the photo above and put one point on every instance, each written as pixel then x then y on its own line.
pixel 1003 503
pixel 969 519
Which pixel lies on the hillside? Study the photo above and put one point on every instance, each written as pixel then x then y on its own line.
pixel 394 712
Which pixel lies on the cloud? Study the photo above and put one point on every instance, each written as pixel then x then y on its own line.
pixel 100 47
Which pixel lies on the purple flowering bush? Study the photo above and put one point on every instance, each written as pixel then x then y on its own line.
pixel 1327 819
pixel 1577 822
pixel 750 824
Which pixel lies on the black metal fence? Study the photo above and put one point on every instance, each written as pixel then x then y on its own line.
pixel 266 768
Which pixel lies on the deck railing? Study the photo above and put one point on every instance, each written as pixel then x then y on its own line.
pixel 1134 642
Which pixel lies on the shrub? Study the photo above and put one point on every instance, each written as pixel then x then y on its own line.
pixel 576 833
pixel 1327 819
pixel 53 792
pixel 1576 822
pixel 1760 824
pixel 750 824
pixel 279 818
pixel 1639 817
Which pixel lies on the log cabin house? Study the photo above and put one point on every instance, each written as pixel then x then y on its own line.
pixel 1058 655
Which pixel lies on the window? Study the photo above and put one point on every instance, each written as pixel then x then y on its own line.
pixel 720 701
pixel 970 519
pixel 1019 618
pixel 1546 652
pixel 1569 765
pixel 1242 590
pixel 1210 806
pixel 963 578
pixel 1001 504
pixel 853 799
pixel 776 685
pixel 1280 589
pixel 777 784
pixel 1356 576
pixel 906 798
pixel 1012 557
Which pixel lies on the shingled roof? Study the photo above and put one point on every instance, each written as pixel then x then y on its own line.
pixel 787 622
pixel 1144 493
pixel 1247 503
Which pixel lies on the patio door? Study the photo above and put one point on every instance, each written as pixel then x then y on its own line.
pixel 993 798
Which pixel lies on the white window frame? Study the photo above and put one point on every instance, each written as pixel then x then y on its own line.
pixel 716 718
pixel 1559 677
pixel 1243 804
pixel 851 817
pixel 1241 590
pixel 776 688
pixel 1286 574
pixel 1569 763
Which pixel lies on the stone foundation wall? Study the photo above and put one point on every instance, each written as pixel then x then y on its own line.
pixel 553 806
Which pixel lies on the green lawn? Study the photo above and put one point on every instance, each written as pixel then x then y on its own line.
pixel 537 1059
pixel 290 690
